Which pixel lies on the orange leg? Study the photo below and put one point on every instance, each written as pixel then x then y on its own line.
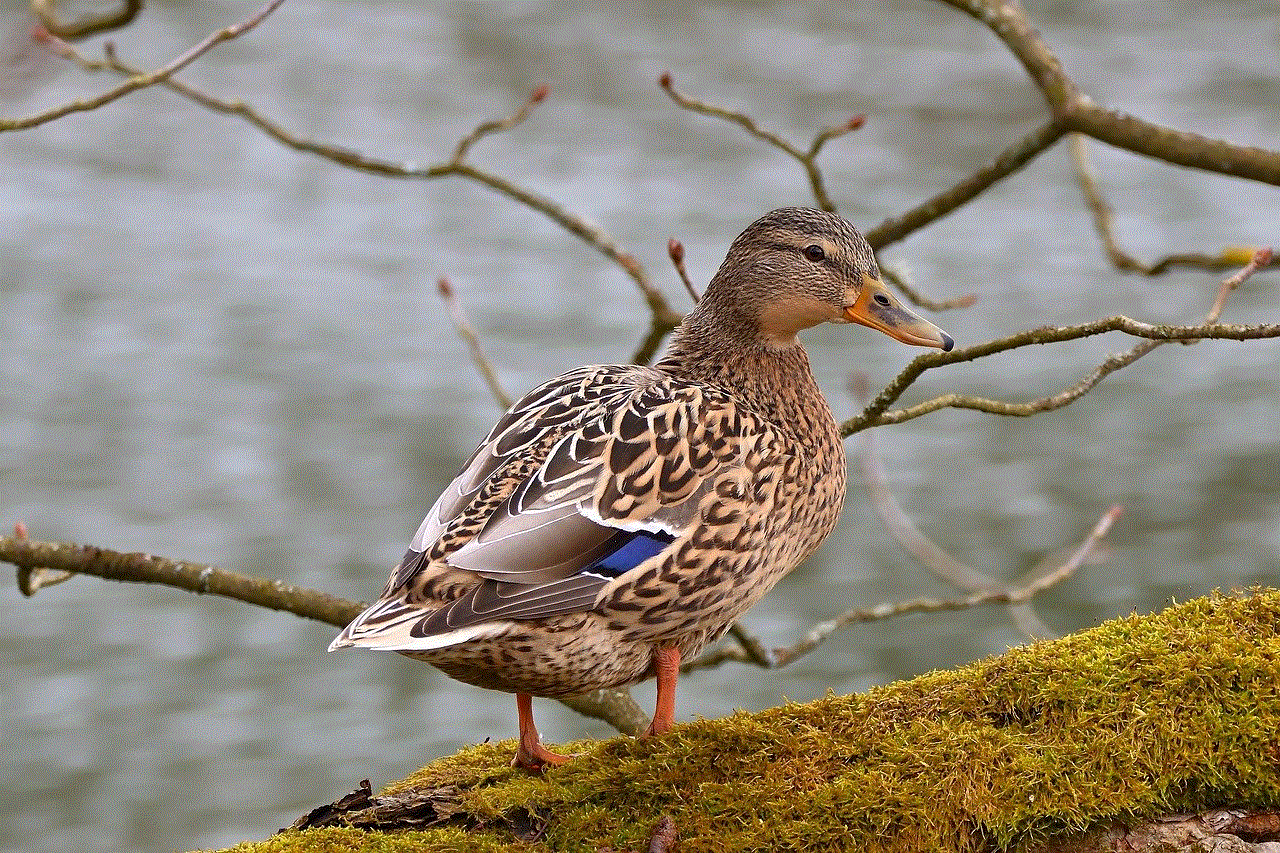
pixel 531 754
pixel 666 663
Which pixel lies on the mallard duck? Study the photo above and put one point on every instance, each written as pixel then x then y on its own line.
pixel 619 518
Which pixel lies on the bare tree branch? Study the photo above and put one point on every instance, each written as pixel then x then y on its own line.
pixel 807 159
pixel 1018 595
pixel 1071 111
pixel 1104 223
pixel 877 414
pixel 1076 111
pixel 1005 164
pixel 1157 335
pixel 675 251
pixel 141 80
pixel 904 531
pixel 42 564
pixel 29 555
pixel 468 334
pixel 1181 148
pixel 819 633
pixel 663 318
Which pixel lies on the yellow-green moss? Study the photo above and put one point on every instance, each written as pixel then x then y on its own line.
pixel 1138 717
pixel 344 840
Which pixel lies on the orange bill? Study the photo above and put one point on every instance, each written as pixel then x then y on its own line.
pixel 878 308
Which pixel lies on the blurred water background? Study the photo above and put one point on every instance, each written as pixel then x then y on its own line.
pixel 218 349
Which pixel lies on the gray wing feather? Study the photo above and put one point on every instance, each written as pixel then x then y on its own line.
pixel 535 548
pixel 578 459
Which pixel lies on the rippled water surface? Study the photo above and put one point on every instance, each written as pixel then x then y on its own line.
pixel 219 349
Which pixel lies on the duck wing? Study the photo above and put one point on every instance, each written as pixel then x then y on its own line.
pixel 585 479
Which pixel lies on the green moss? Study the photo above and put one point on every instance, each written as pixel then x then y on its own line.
pixel 344 840
pixel 1139 717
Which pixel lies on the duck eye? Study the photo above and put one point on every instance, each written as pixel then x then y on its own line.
pixel 814 253
pixel 881 299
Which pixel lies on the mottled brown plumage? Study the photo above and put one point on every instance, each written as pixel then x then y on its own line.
pixel 618 518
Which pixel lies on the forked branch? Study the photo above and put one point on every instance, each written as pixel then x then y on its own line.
pixel 1075 111
pixel 816 636
pixel 877 412
pixel 662 318
pixel 1104 222
pixel 807 158
pixel 925 551
pixel 140 80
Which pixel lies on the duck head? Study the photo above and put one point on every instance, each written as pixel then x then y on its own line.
pixel 797 267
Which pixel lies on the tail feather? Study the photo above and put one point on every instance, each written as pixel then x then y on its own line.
pixel 388 625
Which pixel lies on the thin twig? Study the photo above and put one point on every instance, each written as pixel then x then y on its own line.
pixel 1157 335
pixel 1100 210
pixel 346 157
pixel 1002 166
pixel 829 133
pixel 489 128
pixel 900 280
pixel 1032 407
pixel 905 532
pixel 468 334
pixel 1019 595
pixel 1261 259
pixel 807 159
pixel 1104 223
pixel 877 413
pixel 142 81
pixel 663 318
pixel 675 251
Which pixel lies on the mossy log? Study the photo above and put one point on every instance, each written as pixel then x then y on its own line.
pixel 1046 746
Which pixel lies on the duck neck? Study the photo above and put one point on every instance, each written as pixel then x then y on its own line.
pixel 725 349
